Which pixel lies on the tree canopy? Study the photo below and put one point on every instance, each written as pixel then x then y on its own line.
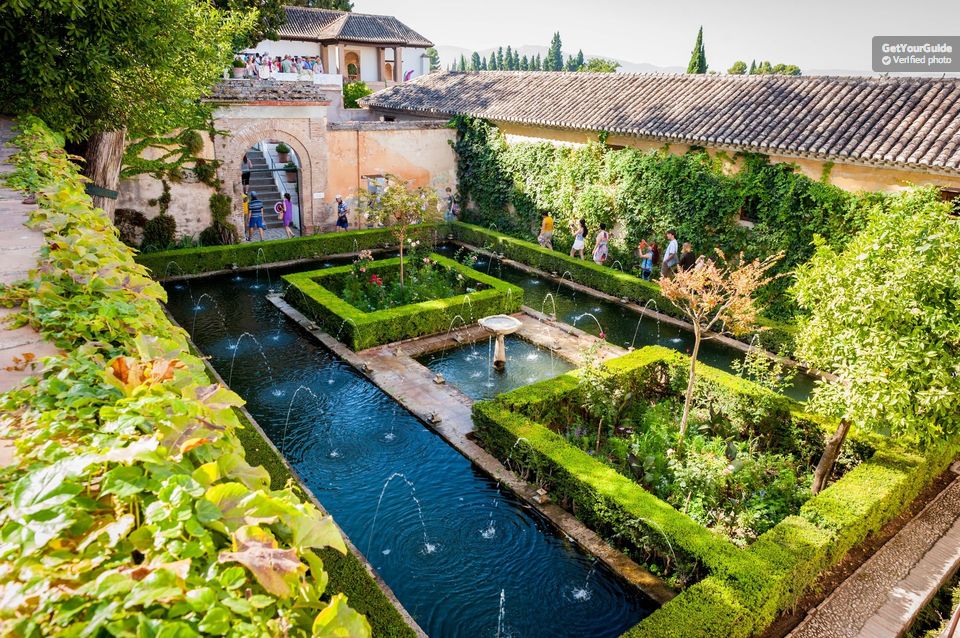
pixel 883 317
pixel 90 67
pixel 600 65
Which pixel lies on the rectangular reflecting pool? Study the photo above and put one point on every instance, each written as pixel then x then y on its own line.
pixel 441 533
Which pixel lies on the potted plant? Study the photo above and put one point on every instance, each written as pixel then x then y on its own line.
pixel 239 68
pixel 291 170
pixel 283 153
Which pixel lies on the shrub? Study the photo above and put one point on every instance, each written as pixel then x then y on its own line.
pixel 282 148
pixel 130 225
pixel 220 232
pixel 353 91
pixel 159 232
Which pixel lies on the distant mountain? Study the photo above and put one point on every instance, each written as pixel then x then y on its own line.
pixel 450 54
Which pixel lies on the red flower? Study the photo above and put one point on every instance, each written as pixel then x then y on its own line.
pixel 603 335
pixel 374 279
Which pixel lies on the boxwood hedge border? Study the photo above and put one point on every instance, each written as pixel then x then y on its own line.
pixel 745 589
pixel 361 330
pixel 774 336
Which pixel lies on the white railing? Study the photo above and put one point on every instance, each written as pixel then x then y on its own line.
pixel 323 79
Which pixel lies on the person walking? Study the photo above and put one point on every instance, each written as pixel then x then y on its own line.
pixel 451 213
pixel 342 222
pixel 245 173
pixel 600 248
pixel 545 238
pixel 645 251
pixel 579 231
pixel 687 260
pixel 670 256
pixel 287 215
pixel 256 217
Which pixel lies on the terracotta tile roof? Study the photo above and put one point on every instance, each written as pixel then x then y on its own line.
pixel 906 122
pixel 304 23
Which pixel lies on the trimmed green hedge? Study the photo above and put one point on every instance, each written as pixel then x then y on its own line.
pixel 190 261
pixel 744 589
pixel 775 337
pixel 361 330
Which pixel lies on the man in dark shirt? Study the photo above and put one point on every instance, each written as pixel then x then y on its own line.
pixel 256 217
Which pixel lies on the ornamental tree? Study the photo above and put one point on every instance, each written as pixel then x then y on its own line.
pixel 399 206
pixel 714 293
pixel 883 318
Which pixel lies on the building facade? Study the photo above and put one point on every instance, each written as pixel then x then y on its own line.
pixel 376 49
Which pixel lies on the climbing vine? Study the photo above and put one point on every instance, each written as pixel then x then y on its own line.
pixel 642 194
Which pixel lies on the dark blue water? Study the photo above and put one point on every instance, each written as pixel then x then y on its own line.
pixel 620 325
pixel 474 541
pixel 469 367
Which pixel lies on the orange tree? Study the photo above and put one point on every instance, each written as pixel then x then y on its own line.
pixel 714 294
pixel 398 206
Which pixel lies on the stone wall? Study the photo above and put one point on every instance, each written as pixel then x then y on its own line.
pixel 335 151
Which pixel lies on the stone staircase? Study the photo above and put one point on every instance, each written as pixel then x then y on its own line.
pixel 263 184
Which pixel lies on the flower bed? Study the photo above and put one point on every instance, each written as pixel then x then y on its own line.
pixel 739 590
pixel 131 507
pixel 320 293
pixel 773 336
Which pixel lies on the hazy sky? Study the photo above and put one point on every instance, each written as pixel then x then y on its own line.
pixel 814 34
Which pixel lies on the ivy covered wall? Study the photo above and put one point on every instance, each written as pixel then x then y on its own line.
pixel 642 194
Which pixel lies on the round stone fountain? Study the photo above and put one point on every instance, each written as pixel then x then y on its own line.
pixel 500 325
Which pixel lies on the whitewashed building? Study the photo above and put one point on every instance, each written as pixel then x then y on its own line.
pixel 379 50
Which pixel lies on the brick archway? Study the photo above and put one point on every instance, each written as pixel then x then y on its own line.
pixel 230 151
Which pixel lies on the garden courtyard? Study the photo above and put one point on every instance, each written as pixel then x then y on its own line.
pixel 519 353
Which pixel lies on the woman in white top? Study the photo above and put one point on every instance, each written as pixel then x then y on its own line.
pixel 579 231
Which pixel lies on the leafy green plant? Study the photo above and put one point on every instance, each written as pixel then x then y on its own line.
pixel 282 148
pixel 220 232
pixel 131 504
pixel 353 91
pixel 238 63
pixel 129 225
pixel 159 232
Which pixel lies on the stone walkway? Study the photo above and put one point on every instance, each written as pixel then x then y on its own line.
pixel 882 598
pixel 448 412
pixel 20 348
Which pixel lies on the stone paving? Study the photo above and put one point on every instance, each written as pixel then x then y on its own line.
pixel 19 248
pixel 881 598
pixel 447 411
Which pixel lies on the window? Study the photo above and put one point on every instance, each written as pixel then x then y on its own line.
pixel 748 212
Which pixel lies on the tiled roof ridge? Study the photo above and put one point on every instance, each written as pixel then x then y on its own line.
pixel 756 77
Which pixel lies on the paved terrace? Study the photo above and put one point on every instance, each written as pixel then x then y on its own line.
pixel 19 254
pixel 448 412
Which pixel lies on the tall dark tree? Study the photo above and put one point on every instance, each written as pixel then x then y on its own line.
pixel 462 65
pixel 753 68
pixel 500 64
pixel 579 59
pixel 554 59
pixel 524 63
pixel 538 64
pixel 698 57
pixel 492 64
pixel 475 62
pixel 483 64
pixel 508 58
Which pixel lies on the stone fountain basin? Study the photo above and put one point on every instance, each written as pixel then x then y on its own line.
pixel 500 324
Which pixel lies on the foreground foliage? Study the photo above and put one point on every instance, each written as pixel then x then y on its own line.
pixel 131 509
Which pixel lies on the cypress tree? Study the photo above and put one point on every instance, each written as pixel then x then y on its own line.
pixel 539 66
pixel 524 63
pixel 500 65
pixel 580 60
pixel 475 61
pixel 463 63
pixel 492 65
pixel 509 58
pixel 483 64
pixel 698 57
pixel 554 59
pixel 753 67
